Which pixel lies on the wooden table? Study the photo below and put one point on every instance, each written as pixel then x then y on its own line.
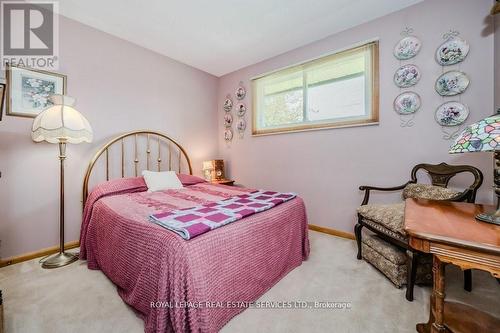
pixel 450 232
pixel 228 182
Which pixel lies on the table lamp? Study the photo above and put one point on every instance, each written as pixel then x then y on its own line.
pixel 208 170
pixel 483 136
pixel 213 170
pixel 60 123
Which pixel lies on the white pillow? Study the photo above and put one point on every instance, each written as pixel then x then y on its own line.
pixel 159 181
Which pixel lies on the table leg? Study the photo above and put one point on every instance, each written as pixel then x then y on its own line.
pixel 439 294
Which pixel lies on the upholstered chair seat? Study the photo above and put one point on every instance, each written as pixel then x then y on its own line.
pixel 388 219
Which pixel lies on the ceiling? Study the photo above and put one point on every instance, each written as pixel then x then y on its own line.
pixel 221 36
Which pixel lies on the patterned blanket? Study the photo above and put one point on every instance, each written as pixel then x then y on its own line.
pixel 192 222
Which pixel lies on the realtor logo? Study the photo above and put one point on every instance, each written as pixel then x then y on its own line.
pixel 29 32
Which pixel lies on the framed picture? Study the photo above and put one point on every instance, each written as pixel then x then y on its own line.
pixel 28 90
pixel 2 93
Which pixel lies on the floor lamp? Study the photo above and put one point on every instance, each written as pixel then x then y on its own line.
pixel 60 123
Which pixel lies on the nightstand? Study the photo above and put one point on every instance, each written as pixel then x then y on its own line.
pixel 228 182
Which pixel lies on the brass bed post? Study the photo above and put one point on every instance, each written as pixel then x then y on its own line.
pixel 107 164
pixel 123 158
pixel 159 154
pixel 136 158
pixel 169 158
pixel 148 152
pixel 180 155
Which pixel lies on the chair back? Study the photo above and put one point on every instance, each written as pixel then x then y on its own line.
pixel 442 173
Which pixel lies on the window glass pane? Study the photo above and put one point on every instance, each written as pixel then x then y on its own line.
pixel 282 99
pixel 283 109
pixel 336 66
pixel 336 99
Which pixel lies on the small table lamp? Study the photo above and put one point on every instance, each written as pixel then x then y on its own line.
pixel 213 170
pixel 483 136
pixel 61 123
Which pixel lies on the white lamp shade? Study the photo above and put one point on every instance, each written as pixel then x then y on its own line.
pixel 61 122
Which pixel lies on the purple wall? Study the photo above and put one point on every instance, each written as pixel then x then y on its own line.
pixel 326 167
pixel 119 87
pixel 497 61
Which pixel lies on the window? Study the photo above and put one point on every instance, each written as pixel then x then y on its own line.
pixel 333 91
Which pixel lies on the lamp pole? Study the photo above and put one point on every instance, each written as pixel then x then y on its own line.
pixel 62 258
pixel 62 157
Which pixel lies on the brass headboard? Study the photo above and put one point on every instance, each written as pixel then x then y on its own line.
pixel 164 151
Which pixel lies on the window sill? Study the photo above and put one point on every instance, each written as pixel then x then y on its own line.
pixel 307 129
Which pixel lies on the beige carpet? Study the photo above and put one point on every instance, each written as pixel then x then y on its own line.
pixel 75 299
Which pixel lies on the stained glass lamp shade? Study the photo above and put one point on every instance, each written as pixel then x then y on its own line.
pixel 483 136
pixel 496 8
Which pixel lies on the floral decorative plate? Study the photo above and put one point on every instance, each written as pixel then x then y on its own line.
pixel 451 114
pixel 228 105
pixel 228 134
pixel 407 76
pixel 452 83
pixel 452 51
pixel 241 124
pixel 407 103
pixel 407 48
pixel 228 120
pixel 240 93
pixel 241 109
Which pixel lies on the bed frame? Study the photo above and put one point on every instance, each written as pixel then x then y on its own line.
pixel 161 143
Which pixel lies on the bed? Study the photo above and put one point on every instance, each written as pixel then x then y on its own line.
pixel 173 284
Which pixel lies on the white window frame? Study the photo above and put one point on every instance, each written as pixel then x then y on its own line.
pixel 373 118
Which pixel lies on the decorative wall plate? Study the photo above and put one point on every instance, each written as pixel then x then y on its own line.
pixel 240 93
pixel 228 134
pixel 241 109
pixel 228 104
pixel 407 48
pixel 228 120
pixel 452 83
pixel 241 124
pixel 407 76
pixel 407 103
pixel 451 114
pixel 452 51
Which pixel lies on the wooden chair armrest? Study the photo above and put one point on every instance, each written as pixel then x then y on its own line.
pixel 466 196
pixel 367 190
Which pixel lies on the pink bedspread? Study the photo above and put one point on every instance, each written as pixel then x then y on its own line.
pixel 149 264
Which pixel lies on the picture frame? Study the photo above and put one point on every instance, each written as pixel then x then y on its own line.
pixel 28 90
pixel 3 87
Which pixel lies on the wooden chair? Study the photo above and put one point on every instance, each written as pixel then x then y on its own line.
pixel 391 230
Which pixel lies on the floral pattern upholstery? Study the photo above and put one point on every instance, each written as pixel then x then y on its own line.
pixel 426 191
pixel 390 252
pixel 392 261
pixel 387 216
pixel 395 273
